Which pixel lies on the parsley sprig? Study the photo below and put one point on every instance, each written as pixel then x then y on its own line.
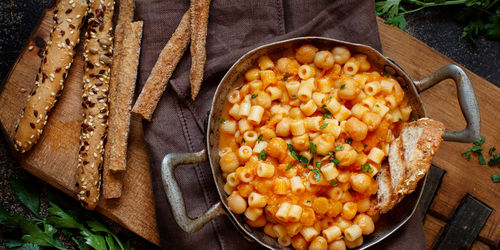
pixel 303 160
pixel 478 16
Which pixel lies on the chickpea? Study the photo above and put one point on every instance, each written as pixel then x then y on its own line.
pixel 229 162
pixel 324 59
pixel 319 243
pixel 349 89
pixel 236 203
pixel 277 148
pixel 306 53
pixel 372 120
pixel 346 156
pixel 341 54
pixel 283 63
pixel 252 74
pixel 356 129
pixel 360 182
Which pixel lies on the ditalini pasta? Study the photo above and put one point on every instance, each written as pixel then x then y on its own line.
pixel 301 139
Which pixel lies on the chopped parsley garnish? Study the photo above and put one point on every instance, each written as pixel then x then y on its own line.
pixel 342 86
pixel 303 160
pixel 481 159
pixel 365 146
pixel 495 178
pixel 318 165
pixel 376 105
pixel 386 73
pixel 479 141
pixel 366 168
pixel 312 148
pixel 222 121
pixel 333 183
pixel 339 148
pixel 259 139
pixel 294 96
pixel 323 126
pixel 262 155
pixel 286 76
pixel 492 149
pixel 332 159
pixel 349 141
pixel 317 174
pixel 243 140
pixel 494 161
pixel 254 95
pixel 289 166
pixel 325 112
pixel 399 120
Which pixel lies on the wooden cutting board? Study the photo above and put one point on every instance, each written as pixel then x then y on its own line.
pixel 54 158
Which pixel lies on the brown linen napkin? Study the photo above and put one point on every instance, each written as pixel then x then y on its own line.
pixel 235 27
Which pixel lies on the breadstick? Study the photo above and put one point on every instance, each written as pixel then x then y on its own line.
pixel 199 22
pixel 162 71
pixel 97 53
pixel 125 16
pixel 59 53
pixel 116 150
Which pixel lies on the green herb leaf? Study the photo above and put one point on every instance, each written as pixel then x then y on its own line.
pixel 466 155
pixel 289 166
pixel 303 160
pixel 294 96
pixel 12 243
pixel 29 246
pixel 312 148
pixel 28 193
pixel 61 219
pixel 243 140
pixel 318 165
pixel 317 174
pixel 259 139
pixel 339 148
pixel 481 160
pixel 494 161
pixel 333 183
pixel 399 120
pixel 94 240
pixel 495 178
pixel 366 168
pixel 254 95
pixel 349 141
pixel 323 126
pixel 34 234
pixel 365 146
pixel 492 149
pixel 476 149
pixel 262 155
pixel 479 141
pixel 342 86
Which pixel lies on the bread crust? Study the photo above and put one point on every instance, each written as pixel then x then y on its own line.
pixel 411 170
pixel 162 71
pixel 199 27
pixel 49 82
pixel 98 55
pixel 116 146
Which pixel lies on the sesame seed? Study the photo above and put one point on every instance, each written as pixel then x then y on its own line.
pixel 30 48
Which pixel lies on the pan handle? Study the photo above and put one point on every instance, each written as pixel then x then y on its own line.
pixel 174 194
pixel 466 98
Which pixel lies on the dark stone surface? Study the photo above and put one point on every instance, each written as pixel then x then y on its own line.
pixel 436 28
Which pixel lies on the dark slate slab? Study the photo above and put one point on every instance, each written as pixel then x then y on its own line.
pixel 434 179
pixel 464 227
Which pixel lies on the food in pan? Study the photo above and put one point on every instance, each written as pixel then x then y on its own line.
pixel 98 58
pixel 304 142
pixel 49 82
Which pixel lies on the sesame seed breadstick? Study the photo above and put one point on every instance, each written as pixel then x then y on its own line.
pixel 97 53
pixel 199 22
pixel 116 146
pixel 163 69
pixel 57 59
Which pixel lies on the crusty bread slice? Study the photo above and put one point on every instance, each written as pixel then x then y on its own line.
pixel 385 193
pixel 409 159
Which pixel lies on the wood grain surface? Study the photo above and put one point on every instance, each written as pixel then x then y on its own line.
pixel 54 158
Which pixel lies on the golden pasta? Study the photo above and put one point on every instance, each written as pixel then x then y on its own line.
pixel 301 138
